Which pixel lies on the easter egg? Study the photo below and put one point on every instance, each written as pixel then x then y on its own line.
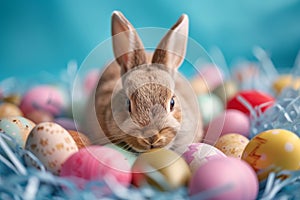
pixel 39 116
pixel 52 144
pixel 80 139
pixel 212 75
pixel 199 86
pixel 43 97
pixel 230 178
pixel 230 121
pixel 254 98
pixel 67 123
pixel 210 106
pixel 273 150
pixel 9 110
pixel 232 144
pixel 13 98
pixel 226 91
pixel 285 81
pixel 161 168
pixel 17 128
pixel 131 157
pixel 199 154
pixel 94 163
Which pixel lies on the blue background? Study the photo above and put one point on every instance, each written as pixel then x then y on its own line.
pixel 45 35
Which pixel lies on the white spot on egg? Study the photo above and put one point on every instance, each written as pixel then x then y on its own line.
pixel 275 132
pixel 263 157
pixel 289 147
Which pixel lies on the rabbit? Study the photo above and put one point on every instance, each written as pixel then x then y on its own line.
pixel 141 101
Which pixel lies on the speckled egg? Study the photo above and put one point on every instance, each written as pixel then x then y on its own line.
pixel 273 150
pixel 161 168
pixel 9 110
pixel 232 145
pixel 52 144
pixel 17 128
pixel 199 154
pixel 80 139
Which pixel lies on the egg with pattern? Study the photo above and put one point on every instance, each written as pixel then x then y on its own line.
pixel 273 150
pixel 51 144
pixel 16 127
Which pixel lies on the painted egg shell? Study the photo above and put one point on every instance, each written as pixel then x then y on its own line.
pixel 230 178
pixel 9 110
pixel 17 128
pixel 13 98
pixel 273 150
pixel 67 123
pixel 80 139
pixel 161 168
pixel 212 75
pixel 43 97
pixel 199 86
pixel 232 145
pixel 210 106
pixel 131 157
pixel 226 91
pixel 39 116
pixel 52 144
pixel 285 81
pixel 254 98
pixel 96 163
pixel 199 154
pixel 230 121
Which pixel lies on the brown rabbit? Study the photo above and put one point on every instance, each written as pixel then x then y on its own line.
pixel 144 103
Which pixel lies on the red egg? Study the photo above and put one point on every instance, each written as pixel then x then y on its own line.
pixel 254 98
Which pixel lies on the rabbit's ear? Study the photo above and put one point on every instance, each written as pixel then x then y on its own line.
pixel 128 47
pixel 171 49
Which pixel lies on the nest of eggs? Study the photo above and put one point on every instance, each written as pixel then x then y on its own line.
pixel 43 156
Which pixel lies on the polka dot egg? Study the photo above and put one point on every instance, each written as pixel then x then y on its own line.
pixel 232 144
pixel 273 150
pixel 52 144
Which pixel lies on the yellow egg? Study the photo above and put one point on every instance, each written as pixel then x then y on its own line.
pixel 9 110
pixel 51 144
pixel 161 168
pixel 286 81
pixel 273 150
pixel 232 144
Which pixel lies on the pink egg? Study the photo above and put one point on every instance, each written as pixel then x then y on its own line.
pixel 212 75
pixel 94 163
pixel 44 97
pixel 199 154
pixel 230 121
pixel 234 178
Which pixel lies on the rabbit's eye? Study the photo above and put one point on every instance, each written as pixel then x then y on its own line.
pixel 172 103
pixel 129 105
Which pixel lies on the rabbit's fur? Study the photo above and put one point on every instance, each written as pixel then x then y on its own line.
pixel 133 97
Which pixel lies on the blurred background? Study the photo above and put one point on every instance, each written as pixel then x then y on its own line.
pixel 45 35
